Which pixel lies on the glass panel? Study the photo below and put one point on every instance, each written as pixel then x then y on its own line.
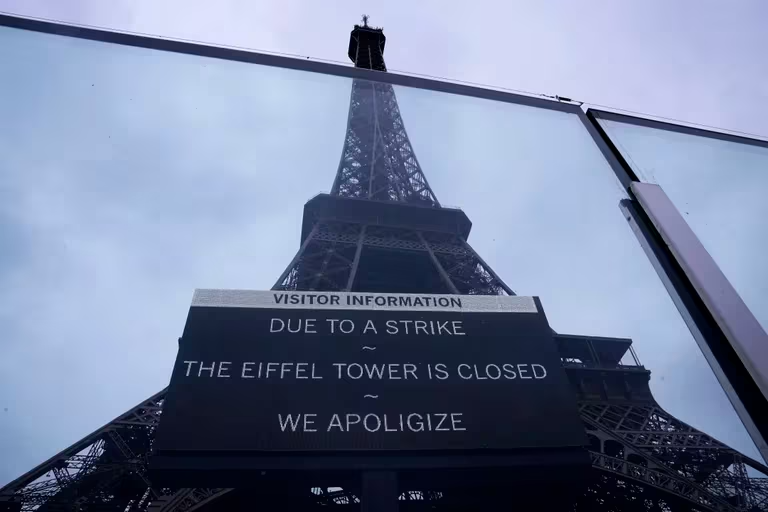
pixel 133 176
pixel 719 188
pixel 545 215
pixel 128 178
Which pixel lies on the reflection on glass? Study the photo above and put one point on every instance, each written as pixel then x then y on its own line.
pixel 545 213
pixel 132 177
pixel 719 188
pixel 128 178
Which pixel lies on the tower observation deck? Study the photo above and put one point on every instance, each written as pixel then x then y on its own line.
pixel 383 229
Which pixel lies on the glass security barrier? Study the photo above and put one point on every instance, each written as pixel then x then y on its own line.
pixel 546 218
pixel 129 177
pixel 717 185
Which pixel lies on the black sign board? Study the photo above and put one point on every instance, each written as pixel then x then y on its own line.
pixel 263 372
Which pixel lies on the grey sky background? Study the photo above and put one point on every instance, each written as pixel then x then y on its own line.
pixel 128 178
pixel 696 60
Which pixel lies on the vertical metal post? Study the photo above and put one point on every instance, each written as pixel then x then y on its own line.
pixel 380 491
pixel 593 353
pixel 740 358
pixel 731 339
pixel 297 257
pixel 443 274
pixel 356 261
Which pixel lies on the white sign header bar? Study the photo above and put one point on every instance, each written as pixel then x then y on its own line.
pixel 363 301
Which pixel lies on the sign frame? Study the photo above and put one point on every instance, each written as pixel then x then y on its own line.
pixel 208 466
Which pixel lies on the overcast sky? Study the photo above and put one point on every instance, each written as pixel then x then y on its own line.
pixel 696 60
pixel 140 176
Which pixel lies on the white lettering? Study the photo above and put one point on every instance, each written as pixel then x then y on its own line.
pixel 496 370
pixel 540 375
pixel 374 370
pixel 386 426
pixel 392 327
pixel 189 366
pixel 308 422
pixel 246 369
pixel 509 371
pixel 223 368
pixel 272 325
pixel 461 374
pixel 365 423
pixel 350 326
pixel 350 422
pixel 335 422
pixel 289 420
pixel 409 368
pixel 522 370
pixel 443 326
pixel 372 422
pixel 406 323
pixel 295 329
pixel 284 369
pixel 357 367
pixel 419 424
pixel 455 420
pixel 370 327
pixel 200 371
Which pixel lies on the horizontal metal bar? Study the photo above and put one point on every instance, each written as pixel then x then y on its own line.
pixel 677 128
pixel 240 55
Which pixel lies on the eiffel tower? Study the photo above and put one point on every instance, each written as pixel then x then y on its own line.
pixel 382 229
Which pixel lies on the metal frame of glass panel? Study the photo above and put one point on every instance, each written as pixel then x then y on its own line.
pixel 651 218
pixel 728 334
pixel 678 128
pixel 233 54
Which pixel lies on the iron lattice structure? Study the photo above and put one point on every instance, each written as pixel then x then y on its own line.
pixel 383 229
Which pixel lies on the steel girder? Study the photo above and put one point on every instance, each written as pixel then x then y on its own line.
pixel 330 256
pixel 648 436
pixel 107 468
pixel 95 470
pixel 378 161
pixel 661 480
pixel 187 500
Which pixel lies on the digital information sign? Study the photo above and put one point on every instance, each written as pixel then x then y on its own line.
pixel 270 372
